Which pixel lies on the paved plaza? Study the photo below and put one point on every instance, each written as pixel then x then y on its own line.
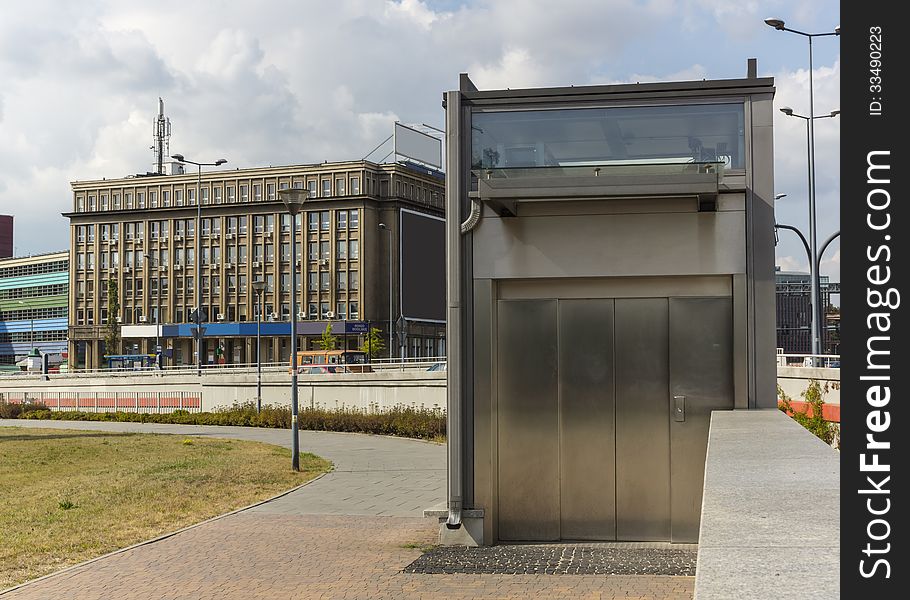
pixel 349 534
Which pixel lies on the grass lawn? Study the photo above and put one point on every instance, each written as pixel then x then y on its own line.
pixel 67 496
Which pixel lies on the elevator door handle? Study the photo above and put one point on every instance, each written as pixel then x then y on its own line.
pixel 679 408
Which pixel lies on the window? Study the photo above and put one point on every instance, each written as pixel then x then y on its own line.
pixel 342 249
pixel 678 133
pixel 140 199
pixel 324 309
pixel 115 201
pixel 342 280
pixel 313 251
pixel 341 219
pixel 324 250
pixel 283 185
pixel 179 227
pixel 91 203
pixel 191 196
pixel 313 219
pixel 341 312
pixel 229 190
pixel 314 282
pixel 298 185
pixel 270 283
pixel 244 192
pixel 313 311
pixel 153 199
pixel 165 198
pixel 241 254
pixel 355 186
pixel 285 223
pixel 270 223
pixel 324 281
pixel 206 255
pixel 311 186
pixel 325 220
pixel 352 279
pixel 354 221
pixel 190 256
pixel 206 227
pixel 270 191
pixel 103 201
pixel 80 233
pixel 339 186
pixel 259 223
pixel 257 192
pixel 241 225
pixel 355 249
pixel 285 282
pixel 257 253
pixel 205 195
pixel 216 225
pixel 326 188
pixel 105 233
pixel 354 310
pixel 190 228
pixel 80 204
pixel 178 197
pixel 115 231
pixel 216 193
pixel 91 233
pixel 232 225
pixel 285 252
pixel 216 255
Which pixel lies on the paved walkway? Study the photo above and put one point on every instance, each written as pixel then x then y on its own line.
pixel 346 535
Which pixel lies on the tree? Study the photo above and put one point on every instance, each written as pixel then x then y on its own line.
pixel 373 345
pixel 327 341
pixel 112 336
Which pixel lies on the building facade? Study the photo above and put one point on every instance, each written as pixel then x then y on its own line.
pixel 6 236
pixel 33 306
pixel 794 317
pixel 140 235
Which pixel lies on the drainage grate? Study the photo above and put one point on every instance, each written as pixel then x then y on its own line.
pixel 559 559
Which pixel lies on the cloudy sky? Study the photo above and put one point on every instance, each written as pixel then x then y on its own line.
pixel 295 81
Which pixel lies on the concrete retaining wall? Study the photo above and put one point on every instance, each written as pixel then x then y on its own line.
pixel 795 380
pixel 366 391
pixel 770 521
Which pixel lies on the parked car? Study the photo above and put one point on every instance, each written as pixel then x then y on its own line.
pixel 440 366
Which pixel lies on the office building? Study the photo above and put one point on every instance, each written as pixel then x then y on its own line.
pixel 140 234
pixel 6 236
pixel 794 317
pixel 33 307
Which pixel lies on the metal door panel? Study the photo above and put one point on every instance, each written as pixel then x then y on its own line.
pixel 587 459
pixel 528 420
pixel 701 370
pixel 642 420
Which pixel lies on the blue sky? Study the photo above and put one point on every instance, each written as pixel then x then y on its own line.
pixel 293 81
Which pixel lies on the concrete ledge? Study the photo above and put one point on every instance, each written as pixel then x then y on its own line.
pixel 770 521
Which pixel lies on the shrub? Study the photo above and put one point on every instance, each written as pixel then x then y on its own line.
pixel 9 410
pixel 401 421
pixel 815 404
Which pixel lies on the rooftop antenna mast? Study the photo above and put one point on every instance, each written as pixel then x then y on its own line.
pixel 161 133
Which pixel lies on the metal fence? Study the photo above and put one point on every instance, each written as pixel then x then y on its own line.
pixel 138 402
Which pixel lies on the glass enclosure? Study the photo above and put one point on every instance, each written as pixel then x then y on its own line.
pixel 700 133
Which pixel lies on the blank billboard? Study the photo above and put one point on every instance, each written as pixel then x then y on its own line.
pixel 423 266
pixel 418 145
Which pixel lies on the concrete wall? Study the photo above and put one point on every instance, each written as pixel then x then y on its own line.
pixel 367 391
pixel 795 380
pixel 770 513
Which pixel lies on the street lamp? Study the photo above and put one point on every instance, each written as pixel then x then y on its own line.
pixel 294 199
pixel 258 287
pixel 198 314
pixel 388 230
pixel 814 284
pixel 780 25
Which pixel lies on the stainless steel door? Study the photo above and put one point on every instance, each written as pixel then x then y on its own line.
pixel 642 420
pixel 586 425
pixel 528 420
pixel 701 380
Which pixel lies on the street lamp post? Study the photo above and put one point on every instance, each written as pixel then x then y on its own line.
pixel 294 199
pixel 258 287
pixel 198 313
pixel 781 26
pixel 814 281
pixel 388 230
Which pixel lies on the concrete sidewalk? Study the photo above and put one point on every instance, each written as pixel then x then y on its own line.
pixel 348 534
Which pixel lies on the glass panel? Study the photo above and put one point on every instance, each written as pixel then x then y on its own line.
pixel 621 135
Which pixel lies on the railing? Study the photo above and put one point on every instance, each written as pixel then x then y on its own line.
pixel 380 365
pixel 831 361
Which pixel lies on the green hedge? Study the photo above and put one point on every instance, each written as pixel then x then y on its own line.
pixel 399 421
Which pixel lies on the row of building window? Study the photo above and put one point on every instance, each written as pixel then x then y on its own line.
pixel 234 255
pixel 317 221
pixel 216 194
pixel 37 291
pixel 31 314
pixel 344 281
pixel 57 335
pixel 35 269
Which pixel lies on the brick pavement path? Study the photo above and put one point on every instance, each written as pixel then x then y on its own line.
pixel 303 547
